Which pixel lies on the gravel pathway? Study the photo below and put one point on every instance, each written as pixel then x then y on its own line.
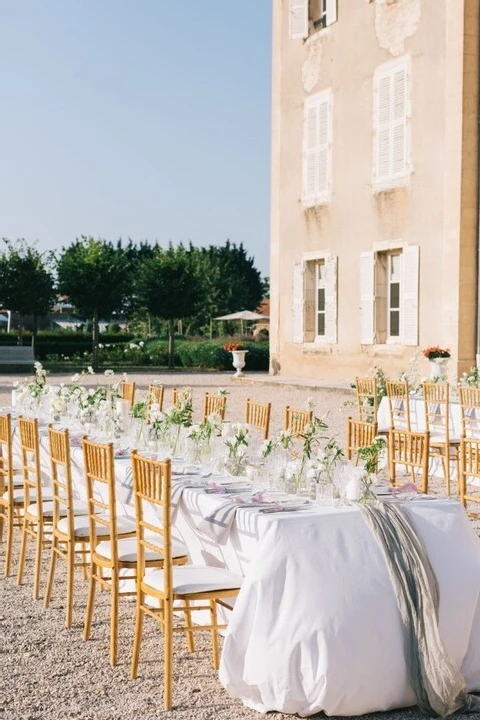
pixel 49 673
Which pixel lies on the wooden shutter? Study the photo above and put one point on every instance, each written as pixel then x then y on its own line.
pixel 391 122
pixel 317 149
pixel 331 11
pixel 298 303
pixel 409 290
pixel 298 18
pixel 331 299
pixel 399 122
pixel 367 297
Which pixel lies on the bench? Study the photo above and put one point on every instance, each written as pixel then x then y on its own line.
pixel 14 355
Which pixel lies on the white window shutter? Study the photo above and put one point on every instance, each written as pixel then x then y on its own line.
pixel 331 299
pixel 331 11
pixel 399 122
pixel 409 289
pixel 367 297
pixel 317 149
pixel 391 122
pixel 298 302
pixel 298 18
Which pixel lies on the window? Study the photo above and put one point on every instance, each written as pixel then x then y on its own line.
pixel 389 296
pixel 317 149
pixel 320 298
pixel 315 300
pixel 308 16
pixel 391 162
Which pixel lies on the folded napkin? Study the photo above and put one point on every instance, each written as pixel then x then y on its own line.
pixel 436 680
pixel 218 524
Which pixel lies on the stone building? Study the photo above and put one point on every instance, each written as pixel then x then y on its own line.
pixel 375 197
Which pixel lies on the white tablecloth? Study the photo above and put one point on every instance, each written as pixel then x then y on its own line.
pixel 417 416
pixel 316 625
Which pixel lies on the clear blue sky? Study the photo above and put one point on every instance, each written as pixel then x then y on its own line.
pixel 147 119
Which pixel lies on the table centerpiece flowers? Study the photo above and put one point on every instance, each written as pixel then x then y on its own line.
pixel 236 442
pixel 371 455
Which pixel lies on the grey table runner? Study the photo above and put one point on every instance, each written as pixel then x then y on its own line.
pixel 437 682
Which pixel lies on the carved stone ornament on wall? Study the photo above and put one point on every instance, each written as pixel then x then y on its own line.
pixel 311 66
pixel 395 21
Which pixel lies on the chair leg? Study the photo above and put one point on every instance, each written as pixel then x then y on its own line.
pixel 137 637
pixel 84 565
pixel 446 469
pixel 90 602
pixel 23 550
pixel 9 543
pixel 51 572
pixel 168 653
pixel 114 619
pixel 189 633
pixel 70 581
pixel 213 615
pixel 38 563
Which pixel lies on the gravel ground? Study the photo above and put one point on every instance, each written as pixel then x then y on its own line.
pixel 49 673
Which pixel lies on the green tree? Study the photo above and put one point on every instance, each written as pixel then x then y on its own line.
pixel 168 286
pixel 230 281
pixel 27 284
pixel 96 275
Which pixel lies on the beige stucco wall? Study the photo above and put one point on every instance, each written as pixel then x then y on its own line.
pixel 436 210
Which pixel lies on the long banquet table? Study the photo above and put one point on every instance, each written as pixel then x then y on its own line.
pixel 316 625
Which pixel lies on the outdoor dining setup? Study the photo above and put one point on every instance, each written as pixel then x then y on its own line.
pixel 326 575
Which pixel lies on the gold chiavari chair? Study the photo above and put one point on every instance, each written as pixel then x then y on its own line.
pixel 367 399
pixel 127 391
pixel 443 444
pixel 258 415
pixel 11 496
pixel 470 410
pixel 214 404
pixel 171 584
pixel 359 434
pixel 70 529
pixel 470 470
pixel 155 395
pixel 117 553
pixel 174 395
pixel 398 394
pixel 37 509
pixel 410 450
pixel 296 420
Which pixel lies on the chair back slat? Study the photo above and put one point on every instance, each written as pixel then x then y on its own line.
pixel 367 398
pixel 359 434
pixel 155 395
pixel 398 394
pixel 470 410
pixel 127 391
pixel 152 486
pixel 296 420
pixel 99 470
pixel 6 456
pixel 410 450
pixel 470 474
pixel 436 398
pixel 258 415
pixel 214 404
pixel 30 459
pixel 61 471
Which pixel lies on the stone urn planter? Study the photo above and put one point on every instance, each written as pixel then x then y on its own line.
pixel 238 361
pixel 438 367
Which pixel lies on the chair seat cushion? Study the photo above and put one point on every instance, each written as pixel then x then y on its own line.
pixel 125 526
pixel 194 579
pixel 19 494
pixel 127 550
pixel 79 508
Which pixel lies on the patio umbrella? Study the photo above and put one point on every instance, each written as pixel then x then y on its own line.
pixel 243 315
